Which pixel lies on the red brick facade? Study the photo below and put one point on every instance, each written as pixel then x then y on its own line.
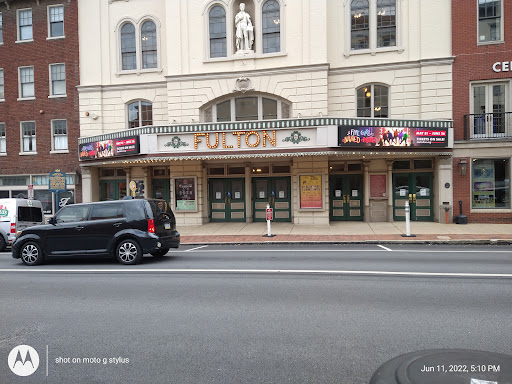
pixel 474 62
pixel 39 53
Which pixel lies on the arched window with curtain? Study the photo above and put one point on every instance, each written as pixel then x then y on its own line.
pixel 217 22
pixel 271 27
pixel 360 24
pixel 128 47
pixel 386 23
pixel 372 101
pixel 148 44
pixel 140 114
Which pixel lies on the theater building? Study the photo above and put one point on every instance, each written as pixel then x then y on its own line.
pixel 482 110
pixel 326 111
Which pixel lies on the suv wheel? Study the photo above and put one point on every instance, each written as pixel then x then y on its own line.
pixel 31 253
pixel 160 252
pixel 129 252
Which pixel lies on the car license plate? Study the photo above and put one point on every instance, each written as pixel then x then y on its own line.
pixel 167 225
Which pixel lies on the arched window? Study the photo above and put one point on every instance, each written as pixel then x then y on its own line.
pixel 386 23
pixel 247 108
pixel 218 47
pixel 128 47
pixel 140 114
pixel 372 101
pixel 360 24
pixel 271 27
pixel 148 44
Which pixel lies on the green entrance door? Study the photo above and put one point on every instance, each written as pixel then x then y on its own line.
pixel 274 191
pixel 346 197
pixel 161 189
pixel 227 200
pixel 112 189
pixel 417 189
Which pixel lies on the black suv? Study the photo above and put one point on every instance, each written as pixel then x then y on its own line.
pixel 125 229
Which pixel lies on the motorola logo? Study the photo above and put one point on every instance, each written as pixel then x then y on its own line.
pixel 23 360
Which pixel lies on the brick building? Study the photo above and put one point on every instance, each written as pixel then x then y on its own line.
pixel 482 46
pixel 39 125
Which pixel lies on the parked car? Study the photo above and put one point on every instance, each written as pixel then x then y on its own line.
pixel 15 215
pixel 125 229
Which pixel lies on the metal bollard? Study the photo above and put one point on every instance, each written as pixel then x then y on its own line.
pixel 408 221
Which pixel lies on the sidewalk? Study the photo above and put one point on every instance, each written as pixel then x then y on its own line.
pixel 345 232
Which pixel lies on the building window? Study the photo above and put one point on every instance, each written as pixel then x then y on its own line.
pixel 491 183
pixel 25 24
pixel 28 133
pixel 26 82
pixel 139 46
pixel 372 101
pixel 148 37
pixel 247 108
pixel 360 26
pixel 60 135
pixel 386 23
pixel 271 27
pixel 56 21
pixel 489 20
pixel 2 96
pixel 140 114
pixel 490 118
pixel 373 24
pixel 128 47
pixel 3 141
pixel 58 79
pixel 218 47
pixel 1 33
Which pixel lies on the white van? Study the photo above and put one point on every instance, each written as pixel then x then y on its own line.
pixel 15 215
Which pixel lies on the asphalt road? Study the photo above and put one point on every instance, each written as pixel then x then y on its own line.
pixel 260 314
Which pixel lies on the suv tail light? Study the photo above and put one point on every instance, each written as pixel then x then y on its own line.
pixel 151 225
pixel 13 228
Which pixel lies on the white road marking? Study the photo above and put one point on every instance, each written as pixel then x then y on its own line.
pixel 192 249
pixel 383 247
pixel 262 271
pixel 339 250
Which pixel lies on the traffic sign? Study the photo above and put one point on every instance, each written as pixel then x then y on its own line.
pixel 270 214
pixel 133 186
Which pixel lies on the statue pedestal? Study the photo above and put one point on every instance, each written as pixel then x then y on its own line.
pixel 244 52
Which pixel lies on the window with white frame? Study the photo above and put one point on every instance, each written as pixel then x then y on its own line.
pixel 372 101
pixel 217 30
pixel 60 135
pixel 489 20
pixel 26 75
pixel 3 141
pixel 56 21
pixel 25 24
pixel 271 26
pixel 148 44
pixel 139 46
pixel 2 95
pixel 128 47
pixel 373 24
pixel 1 30
pixel 140 114
pixel 57 79
pixel 28 135
pixel 247 108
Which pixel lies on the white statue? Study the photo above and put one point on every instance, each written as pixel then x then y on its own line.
pixel 244 30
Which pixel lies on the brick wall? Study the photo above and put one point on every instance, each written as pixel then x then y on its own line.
pixel 39 54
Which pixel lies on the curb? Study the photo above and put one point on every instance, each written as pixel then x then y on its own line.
pixel 333 242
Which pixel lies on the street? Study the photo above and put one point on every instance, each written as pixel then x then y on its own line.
pixel 253 314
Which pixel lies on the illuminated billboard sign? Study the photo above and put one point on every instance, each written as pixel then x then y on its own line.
pixel 125 146
pixel 350 136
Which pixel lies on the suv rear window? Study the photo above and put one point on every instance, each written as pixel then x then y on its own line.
pixel 30 214
pixel 107 211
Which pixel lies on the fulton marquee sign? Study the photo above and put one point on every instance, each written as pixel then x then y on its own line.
pixel 238 140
